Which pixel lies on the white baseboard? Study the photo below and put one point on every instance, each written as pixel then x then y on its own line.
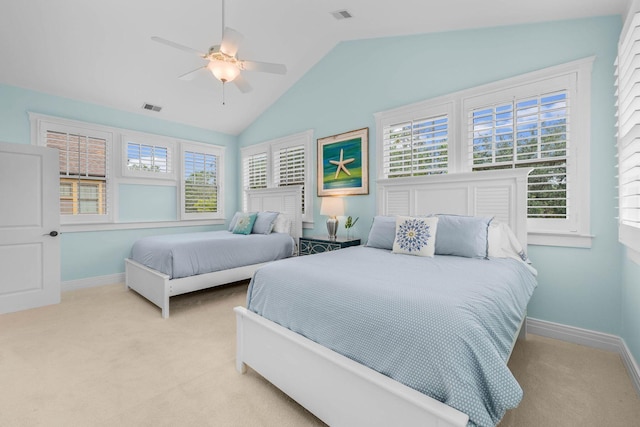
pixel 588 338
pixel 89 282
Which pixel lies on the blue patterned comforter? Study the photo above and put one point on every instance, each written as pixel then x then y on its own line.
pixel 443 325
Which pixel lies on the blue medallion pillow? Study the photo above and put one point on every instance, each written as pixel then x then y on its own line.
pixel 415 236
pixel 244 224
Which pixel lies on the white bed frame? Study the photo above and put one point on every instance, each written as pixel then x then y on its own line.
pixel 340 391
pixel 158 287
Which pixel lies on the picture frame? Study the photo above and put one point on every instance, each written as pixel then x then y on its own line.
pixel 343 168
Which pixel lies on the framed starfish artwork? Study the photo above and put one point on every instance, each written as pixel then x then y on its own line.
pixel 343 164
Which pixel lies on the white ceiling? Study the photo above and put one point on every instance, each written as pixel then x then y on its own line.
pixel 101 51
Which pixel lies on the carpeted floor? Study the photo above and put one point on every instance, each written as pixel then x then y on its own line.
pixel 105 357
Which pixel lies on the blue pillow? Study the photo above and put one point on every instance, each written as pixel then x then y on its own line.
pixel 264 222
pixel 232 223
pixel 382 233
pixel 465 236
pixel 245 222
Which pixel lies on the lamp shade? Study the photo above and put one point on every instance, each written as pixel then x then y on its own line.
pixel 223 70
pixel 332 206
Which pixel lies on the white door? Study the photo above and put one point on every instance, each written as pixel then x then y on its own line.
pixel 29 226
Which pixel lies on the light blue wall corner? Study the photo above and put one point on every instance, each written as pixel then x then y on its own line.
pixel 356 79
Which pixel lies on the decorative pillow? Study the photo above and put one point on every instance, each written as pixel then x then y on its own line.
pixel 382 233
pixel 464 236
pixel 264 222
pixel 245 222
pixel 415 236
pixel 503 243
pixel 282 224
pixel 233 221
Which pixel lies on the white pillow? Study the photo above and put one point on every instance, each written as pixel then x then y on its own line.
pixel 415 236
pixel 503 243
pixel 282 224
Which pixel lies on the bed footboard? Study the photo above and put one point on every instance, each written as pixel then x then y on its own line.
pixel 336 389
pixel 149 283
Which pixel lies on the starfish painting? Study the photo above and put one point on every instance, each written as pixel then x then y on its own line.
pixel 341 164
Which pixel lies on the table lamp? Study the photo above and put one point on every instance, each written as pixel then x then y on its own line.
pixel 332 206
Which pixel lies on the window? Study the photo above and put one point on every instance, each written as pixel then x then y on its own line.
pixel 539 120
pixel 102 183
pixel 200 182
pixel 147 157
pixel 290 166
pixel 416 147
pixel 628 91
pixel 255 171
pixel 85 180
pixel 278 163
pixel 527 133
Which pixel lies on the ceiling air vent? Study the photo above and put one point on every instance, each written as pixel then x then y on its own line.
pixel 342 14
pixel 151 107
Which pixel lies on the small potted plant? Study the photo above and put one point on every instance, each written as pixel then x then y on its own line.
pixel 349 223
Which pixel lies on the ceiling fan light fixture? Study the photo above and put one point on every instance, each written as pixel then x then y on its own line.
pixel 223 70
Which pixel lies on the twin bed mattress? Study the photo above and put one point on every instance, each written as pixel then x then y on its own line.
pixel 189 254
pixel 443 325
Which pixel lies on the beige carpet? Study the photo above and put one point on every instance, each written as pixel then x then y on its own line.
pixel 105 357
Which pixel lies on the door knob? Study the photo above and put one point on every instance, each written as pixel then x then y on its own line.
pixel 52 234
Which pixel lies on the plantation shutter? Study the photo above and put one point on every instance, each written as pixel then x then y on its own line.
pixel 200 182
pixel 416 147
pixel 289 168
pixel 83 172
pixel 628 124
pixel 255 171
pixel 148 158
pixel 533 133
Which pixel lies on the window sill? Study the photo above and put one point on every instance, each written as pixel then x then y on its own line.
pixel 76 228
pixel 630 237
pixel 570 240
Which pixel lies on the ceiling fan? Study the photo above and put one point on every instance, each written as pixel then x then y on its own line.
pixel 223 62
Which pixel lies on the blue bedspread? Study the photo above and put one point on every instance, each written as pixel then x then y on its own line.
pixel 443 325
pixel 188 254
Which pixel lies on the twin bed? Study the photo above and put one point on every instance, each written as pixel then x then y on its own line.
pixel 367 336
pixel 168 265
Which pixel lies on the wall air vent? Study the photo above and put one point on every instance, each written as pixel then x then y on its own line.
pixel 151 107
pixel 342 14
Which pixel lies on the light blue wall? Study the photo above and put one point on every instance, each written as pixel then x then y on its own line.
pixel 579 287
pixel 90 254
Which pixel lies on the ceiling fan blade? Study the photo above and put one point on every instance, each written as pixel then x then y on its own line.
pixel 191 74
pixel 242 84
pixel 178 46
pixel 266 67
pixel 231 40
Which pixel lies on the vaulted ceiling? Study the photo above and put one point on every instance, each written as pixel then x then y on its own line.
pixel 101 51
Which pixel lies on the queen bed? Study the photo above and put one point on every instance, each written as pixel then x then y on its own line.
pixel 167 265
pixel 369 336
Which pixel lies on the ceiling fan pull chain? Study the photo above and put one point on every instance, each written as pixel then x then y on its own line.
pixel 223 103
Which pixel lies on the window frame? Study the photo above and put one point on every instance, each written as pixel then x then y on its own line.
pixel 42 124
pixel 628 136
pixel 114 168
pixel 576 74
pixel 148 140
pixel 270 148
pixel 206 149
